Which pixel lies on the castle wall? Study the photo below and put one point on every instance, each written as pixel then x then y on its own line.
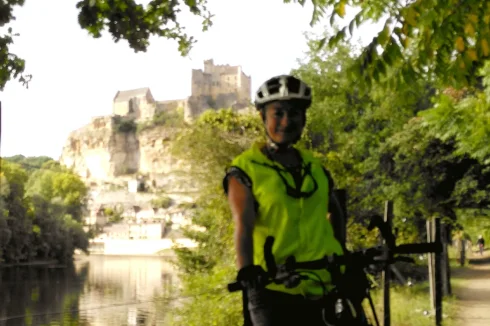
pixel 146 111
pixel 197 105
pixel 228 83
pixel 120 108
pixel 219 82
pixel 226 100
pixel 244 91
pixel 172 105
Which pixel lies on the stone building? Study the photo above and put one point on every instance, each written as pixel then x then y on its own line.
pixel 136 103
pixel 215 87
pixel 223 83
pixel 218 86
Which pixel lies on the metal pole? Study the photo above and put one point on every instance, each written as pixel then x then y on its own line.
pixel 446 269
pixel 438 273
pixel 386 271
pixel 430 265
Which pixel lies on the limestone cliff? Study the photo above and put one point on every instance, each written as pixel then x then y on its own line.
pixel 97 151
pixel 103 152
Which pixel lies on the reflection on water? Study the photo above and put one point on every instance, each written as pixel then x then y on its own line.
pixel 100 290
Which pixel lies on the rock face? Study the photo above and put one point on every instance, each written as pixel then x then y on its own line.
pixel 101 153
pixel 154 151
pixel 97 151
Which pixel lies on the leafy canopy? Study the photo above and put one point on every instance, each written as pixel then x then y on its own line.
pixel 418 39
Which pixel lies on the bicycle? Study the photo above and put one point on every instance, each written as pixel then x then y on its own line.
pixel 343 305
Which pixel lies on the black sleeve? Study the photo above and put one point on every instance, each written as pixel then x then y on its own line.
pixel 239 174
pixel 242 177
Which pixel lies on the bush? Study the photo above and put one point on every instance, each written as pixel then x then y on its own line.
pixel 123 124
pixel 187 205
pixel 162 202
pixel 174 119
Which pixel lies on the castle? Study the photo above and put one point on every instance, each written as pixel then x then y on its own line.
pixel 215 87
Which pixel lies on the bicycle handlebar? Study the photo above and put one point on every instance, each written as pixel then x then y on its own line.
pixel 384 254
pixel 363 258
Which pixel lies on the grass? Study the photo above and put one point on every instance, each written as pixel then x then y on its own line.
pixel 410 306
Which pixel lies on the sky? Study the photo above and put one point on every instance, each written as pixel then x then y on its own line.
pixel 75 77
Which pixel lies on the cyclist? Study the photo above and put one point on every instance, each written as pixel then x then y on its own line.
pixel 481 244
pixel 277 189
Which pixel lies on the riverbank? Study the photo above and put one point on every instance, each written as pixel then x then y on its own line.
pixel 138 247
pixel 47 263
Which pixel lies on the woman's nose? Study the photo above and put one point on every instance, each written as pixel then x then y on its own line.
pixel 285 120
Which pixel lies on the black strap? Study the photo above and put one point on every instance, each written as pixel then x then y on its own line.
pixel 296 191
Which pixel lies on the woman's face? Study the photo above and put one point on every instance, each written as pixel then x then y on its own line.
pixel 284 122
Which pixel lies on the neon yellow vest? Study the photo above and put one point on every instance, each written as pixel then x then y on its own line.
pixel 299 225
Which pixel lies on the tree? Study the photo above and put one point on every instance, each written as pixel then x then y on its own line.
pixel 348 129
pixel 124 19
pixel 209 145
pixel 421 39
pixel 54 181
pixel 34 226
pixel 15 222
pixel 29 163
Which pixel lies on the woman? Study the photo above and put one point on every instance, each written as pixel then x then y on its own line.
pixel 275 189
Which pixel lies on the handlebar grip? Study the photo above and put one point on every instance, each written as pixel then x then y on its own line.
pixel 418 248
pixel 234 287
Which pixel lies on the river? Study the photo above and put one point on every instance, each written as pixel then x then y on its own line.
pixel 97 290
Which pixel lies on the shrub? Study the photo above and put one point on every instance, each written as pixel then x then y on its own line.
pixel 162 202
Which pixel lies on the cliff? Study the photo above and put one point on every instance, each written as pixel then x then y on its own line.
pixel 96 151
pixel 109 150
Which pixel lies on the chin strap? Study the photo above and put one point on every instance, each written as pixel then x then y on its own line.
pixel 274 148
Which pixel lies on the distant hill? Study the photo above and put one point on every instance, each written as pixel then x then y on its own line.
pixel 29 163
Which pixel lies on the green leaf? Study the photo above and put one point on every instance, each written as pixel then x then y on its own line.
pixel 384 36
pixel 321 43
pixel 351 27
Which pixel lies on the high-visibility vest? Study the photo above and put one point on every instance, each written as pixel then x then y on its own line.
pixel 299 225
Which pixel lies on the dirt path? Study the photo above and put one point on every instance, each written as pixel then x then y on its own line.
pixel 473 292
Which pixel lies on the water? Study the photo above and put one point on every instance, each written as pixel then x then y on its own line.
pixel 97 290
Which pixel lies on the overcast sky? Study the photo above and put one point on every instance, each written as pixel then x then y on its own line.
pixel 75 77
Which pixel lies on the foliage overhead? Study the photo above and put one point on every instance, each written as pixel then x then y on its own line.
pixel 135 23
pixel 123 19
pixel 421 39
